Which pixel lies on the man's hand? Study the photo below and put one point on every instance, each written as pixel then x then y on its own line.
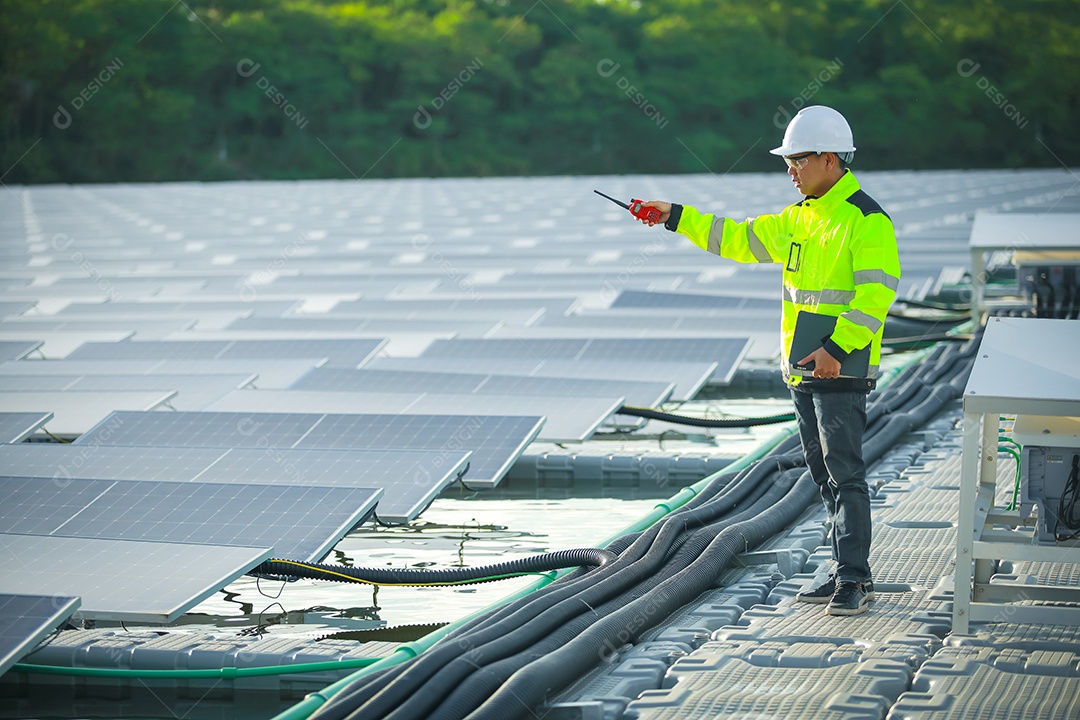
pixel 825 365
pixel 663 207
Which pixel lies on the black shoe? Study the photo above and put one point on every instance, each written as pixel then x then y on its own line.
pixel 824 592
pixel 851 598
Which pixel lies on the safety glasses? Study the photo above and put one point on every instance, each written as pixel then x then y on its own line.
pixel 798 162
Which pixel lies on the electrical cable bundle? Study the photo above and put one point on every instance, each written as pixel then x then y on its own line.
pixel 510 660
pixel 1068 511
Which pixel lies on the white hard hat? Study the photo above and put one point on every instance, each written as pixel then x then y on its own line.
pixel 817 129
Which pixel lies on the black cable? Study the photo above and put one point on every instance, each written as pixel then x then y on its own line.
pixel 1067 514
pixel 734 422
pixel 934 305
pixel 932 338
pixel 455 576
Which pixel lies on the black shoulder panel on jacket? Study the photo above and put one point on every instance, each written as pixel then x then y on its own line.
pixel 866 204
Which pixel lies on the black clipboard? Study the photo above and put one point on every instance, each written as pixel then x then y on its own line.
pixel 811 330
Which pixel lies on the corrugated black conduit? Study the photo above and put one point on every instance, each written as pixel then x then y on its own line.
pixel 528 620
pixel 498 665
pixel 733 422
pixel 590 557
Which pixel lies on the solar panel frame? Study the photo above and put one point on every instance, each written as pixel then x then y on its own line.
pixel 17 426
pixel 123 580
pixel 12 350
pixel 688 378
pixel 27 619
pixel 337 352
pixel 646 394
pixel 569 419
pixel 420 475
pixel 270 373
pixel 75 412
pixel 726 352
pixel 315 518
pixel 496 441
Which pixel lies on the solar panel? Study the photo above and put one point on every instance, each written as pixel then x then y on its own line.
pixel 193 392
pixel 271 373
pixel 691 301
pixel 122 580
pixel 183 307
pixel 76 412
pixel 26 620
pixel 569 419
pixel 726 352
pixel 339 353
pixel 390 326
pixel 556 305
pixel 296 522
pixel 374 380
pixel 17 349
pixel 14 308
pixel 142 329
pixel 410 479
pixel 17 426
pixel 496 441
pixel 688 377
pixel 161 350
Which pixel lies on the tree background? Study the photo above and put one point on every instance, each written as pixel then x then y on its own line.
pixel 162 91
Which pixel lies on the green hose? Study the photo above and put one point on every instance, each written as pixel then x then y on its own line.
pixel 225 673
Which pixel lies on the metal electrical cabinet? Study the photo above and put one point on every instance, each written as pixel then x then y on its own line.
pixel 1024 367
pixel 1051 451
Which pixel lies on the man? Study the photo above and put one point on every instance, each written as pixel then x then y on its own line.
pixel 838 249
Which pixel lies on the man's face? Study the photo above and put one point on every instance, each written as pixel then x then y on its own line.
pixel 809 172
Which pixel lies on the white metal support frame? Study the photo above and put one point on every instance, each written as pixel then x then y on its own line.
pixel 1024 367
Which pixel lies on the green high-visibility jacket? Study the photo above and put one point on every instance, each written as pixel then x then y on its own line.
pixel 839 256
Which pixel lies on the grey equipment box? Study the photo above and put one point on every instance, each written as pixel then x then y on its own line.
pixel 1049 443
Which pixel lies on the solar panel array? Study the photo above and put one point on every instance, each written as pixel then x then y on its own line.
pixel 537 317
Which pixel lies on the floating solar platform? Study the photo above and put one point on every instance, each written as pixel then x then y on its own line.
pixel 688 377
pixel 301 523
pixel 409 479
pixel 76 412
pixel 569 419
pixel 26 619
pixel 269 373
pixel 495 441
pixel 17 426
pixel 122 580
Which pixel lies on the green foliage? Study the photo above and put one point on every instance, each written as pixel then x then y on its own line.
pixel 146 90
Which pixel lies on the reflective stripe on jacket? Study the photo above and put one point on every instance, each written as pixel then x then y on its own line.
pixel 839 258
